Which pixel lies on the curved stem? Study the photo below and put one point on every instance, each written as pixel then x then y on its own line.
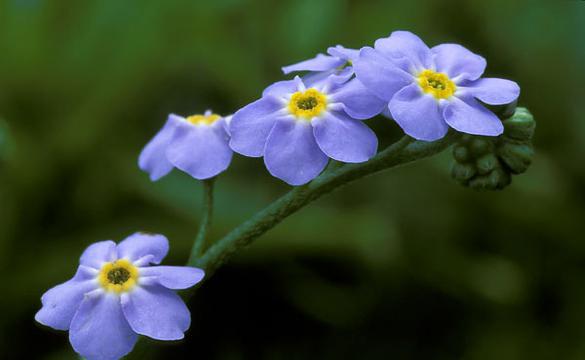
pixel 404 151
pixel 205 224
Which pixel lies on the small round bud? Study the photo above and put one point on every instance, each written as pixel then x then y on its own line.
pixel 463 172
pixel 520 126
pixel 504 111
pixel 461 154
pixel 499 179
pixel 480 146
pixel 517 157
pixel 486 163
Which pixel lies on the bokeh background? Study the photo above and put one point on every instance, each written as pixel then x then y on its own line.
pixel 402 265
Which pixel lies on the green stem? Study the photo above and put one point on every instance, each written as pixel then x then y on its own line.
pixel 205 224
pixel 404 151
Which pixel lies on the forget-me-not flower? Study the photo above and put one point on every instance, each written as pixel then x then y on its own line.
pixel 297 129
pixel 429 90
pixel 197 145
pixel 116 294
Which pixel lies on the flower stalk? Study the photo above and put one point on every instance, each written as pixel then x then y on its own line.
pixel 205 225
pixel 404 151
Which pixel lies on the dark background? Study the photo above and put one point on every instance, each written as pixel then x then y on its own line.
pixel 402 265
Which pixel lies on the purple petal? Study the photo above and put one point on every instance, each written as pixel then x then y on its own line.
pixel 292 154
pixel 139 245
pixel 99 329
pixel 156 312
pixel 469 116
pixel 153 158
pixel 345 139
pixel 317 79
pixel 61 302
pixel 380 75
pixel 251 125
pixel 405 46
pixel 201 151
pixel 319 63
pixel 174 277
pixel 343 53
pixel 456 61
pixel 281 88
pixel 418 114
pixel 493 91
pixel 357 101
pixel 98 253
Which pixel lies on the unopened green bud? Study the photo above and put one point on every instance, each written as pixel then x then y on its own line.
pixel 520 126
pixel 486 163
pixel 462 172
pixel 480 146
pixel 461 154
pixel 517 157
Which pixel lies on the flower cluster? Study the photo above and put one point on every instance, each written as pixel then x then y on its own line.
pixel 298 125
pixel 116 294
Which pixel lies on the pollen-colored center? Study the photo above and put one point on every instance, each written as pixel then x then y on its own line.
pixel 203 119
pixel 437 84
pixel 118 276
pixel 307 104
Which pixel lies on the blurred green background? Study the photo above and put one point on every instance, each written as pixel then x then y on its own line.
pixel 402 265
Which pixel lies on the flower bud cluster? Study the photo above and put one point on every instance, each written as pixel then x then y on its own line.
pixel 488 163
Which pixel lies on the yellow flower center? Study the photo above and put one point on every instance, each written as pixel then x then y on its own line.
pixel 307 104
pixel 203 119
pixel 118 276
pixel 437 84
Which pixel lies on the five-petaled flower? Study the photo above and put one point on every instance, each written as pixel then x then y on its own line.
pixel 338 63
pixel 117 294
pixel 197 145
pixel 428 90
pixel 297 129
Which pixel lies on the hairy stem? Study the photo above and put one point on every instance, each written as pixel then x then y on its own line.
pixel 205 224
pixel 404 151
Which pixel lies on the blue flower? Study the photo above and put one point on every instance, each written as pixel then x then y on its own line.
pixel 297 129
pixel 117 294
pixel 338 64
pixel 197 145
pixel 429 90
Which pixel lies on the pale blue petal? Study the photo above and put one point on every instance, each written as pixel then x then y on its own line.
pixel 418 114
pixel 201 151
pixel 61 302
pixel 251 125
pixel 98 253
pixel 380 75
pixel 156 312
pixel 493 91
pixel 458 62
pixel 153 158
pixel 343 53
pixel 292 154
pixel 319 63
pixel 99 330
pixel 282 89
pixel 404 47
pixel 358 102
pixel 174 277
pixel 469 116
pixel 344 139
pixel 140 244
